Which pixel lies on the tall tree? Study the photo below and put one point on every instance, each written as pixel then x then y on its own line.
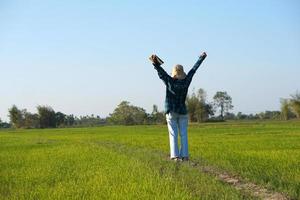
pixel 31 120
pixel 156 116
pixel 223 101
pixel 127 114
pixel 154 110
pixel 60 119
pixel 16 117
pixel 46 117
pixel 199 109
pixel 192 103
pixel 285 109
pixel 295 104
pixel 204 109
pixel 201 95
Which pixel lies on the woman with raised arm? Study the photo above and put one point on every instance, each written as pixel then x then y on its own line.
pixel 176 113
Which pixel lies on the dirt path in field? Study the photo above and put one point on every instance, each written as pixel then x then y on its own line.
pixel 246 187
pixel 239 184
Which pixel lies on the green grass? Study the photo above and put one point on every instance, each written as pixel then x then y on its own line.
pixel 117 162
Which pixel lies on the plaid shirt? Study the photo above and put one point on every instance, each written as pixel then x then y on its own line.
pixel 176 89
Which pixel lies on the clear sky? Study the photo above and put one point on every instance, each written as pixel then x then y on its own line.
pixel 84 57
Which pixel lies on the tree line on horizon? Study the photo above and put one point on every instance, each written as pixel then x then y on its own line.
pixel 290 107
pixel 46 117
pixel 200 110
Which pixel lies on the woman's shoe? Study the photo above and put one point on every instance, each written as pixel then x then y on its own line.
pixel 185 159
pixel 175 159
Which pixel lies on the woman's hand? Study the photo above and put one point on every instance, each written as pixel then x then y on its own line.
pixel 153 58
pixel 203 55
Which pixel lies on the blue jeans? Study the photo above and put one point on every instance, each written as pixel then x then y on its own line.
pixel 178 123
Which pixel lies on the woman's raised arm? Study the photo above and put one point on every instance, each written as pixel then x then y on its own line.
pixel 196 66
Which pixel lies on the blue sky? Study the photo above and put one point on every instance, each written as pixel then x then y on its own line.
pixel 84 57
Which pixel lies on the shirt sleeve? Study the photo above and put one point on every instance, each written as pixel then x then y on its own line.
pixel 194 69
pixel 163 75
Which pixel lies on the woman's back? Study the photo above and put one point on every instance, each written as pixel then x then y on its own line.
pixel 176 93
pixel 177 89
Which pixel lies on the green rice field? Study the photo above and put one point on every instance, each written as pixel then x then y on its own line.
pixel 131 162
